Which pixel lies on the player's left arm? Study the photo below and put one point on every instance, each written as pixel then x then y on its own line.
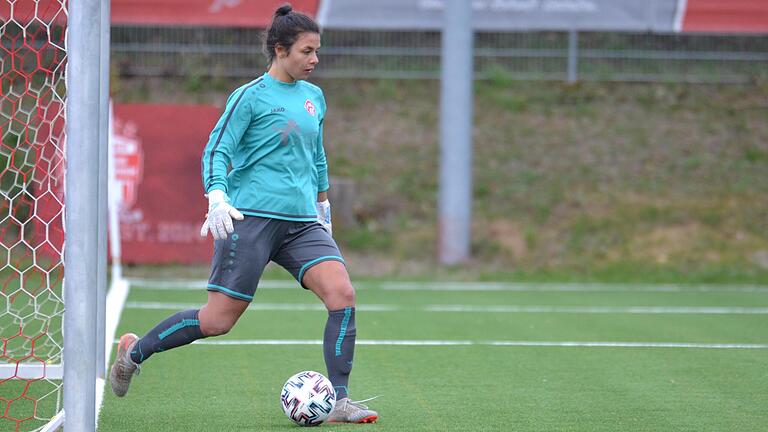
pixel 321 163
pixel 324 211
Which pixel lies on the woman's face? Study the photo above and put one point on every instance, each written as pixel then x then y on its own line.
pixel 301 60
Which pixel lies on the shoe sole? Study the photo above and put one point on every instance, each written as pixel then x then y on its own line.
pixel 369 419
pixel 122 345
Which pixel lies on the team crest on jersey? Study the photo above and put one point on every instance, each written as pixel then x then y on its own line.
pixel 310 108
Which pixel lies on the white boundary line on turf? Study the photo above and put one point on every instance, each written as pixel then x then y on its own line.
pixel 566 287
pixel 261 306
pixel 720 310
pixel 116 296
pixel 196 284
pixel 564 344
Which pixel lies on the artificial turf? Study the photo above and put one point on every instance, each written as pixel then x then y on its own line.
pixel 472 387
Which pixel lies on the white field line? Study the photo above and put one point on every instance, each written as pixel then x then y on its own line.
pixel 55 423
pixel 601 309
pixel 116 296
pixel 479 309
pixel 566 344
pixel 566 287
pixel 258 307
pixel 190 284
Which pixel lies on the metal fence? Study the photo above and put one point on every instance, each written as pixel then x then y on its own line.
pixel 595 56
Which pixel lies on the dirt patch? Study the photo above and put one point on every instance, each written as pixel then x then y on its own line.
pixel 662 244
pixel 510 236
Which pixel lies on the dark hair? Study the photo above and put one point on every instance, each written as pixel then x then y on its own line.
pixel 285 29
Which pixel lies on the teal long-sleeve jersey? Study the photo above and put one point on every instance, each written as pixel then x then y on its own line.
pixel 266 151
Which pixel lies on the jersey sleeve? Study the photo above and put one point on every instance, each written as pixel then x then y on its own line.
pixel 223 140
pixel 321 163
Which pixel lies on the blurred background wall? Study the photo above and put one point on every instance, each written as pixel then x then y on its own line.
pixel 615 136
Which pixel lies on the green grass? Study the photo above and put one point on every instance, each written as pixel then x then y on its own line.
pixel 462 388
pixel 34 402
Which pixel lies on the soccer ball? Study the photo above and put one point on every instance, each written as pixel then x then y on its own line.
pixel 308 398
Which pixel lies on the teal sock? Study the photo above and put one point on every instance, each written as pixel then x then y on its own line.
pixel 339 348
pixel 180 329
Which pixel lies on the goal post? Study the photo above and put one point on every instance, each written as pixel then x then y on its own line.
pixel 105 114
pixel 82 223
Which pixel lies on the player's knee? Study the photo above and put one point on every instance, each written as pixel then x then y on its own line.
pixel 342 295
pixel 348 294
pixel 216 327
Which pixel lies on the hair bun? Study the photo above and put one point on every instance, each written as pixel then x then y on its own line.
pixel 283 10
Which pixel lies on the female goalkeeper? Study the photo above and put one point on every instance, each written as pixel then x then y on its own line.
pixel 265 174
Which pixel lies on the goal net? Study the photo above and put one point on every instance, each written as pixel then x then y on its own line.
pixel 32 107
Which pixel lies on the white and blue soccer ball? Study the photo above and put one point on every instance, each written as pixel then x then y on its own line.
pixel 308 398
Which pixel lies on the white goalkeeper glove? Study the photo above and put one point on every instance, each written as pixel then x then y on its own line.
pixel 324 215
pixel 220 214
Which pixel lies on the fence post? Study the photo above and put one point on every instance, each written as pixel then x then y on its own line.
pixel 573 56
pixel 456 84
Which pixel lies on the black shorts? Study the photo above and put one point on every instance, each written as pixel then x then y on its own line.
pixel 239 260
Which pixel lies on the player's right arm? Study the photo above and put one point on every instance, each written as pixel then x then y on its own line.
pixel 224 138
pixel 217 157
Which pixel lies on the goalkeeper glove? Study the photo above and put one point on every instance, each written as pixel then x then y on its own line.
pixel 220 214
pixel 324 215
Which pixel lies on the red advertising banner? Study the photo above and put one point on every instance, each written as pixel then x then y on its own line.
pixel 214 13
pixel 714 16
pixel 732 16
pixel 157 152
pixel 223 13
